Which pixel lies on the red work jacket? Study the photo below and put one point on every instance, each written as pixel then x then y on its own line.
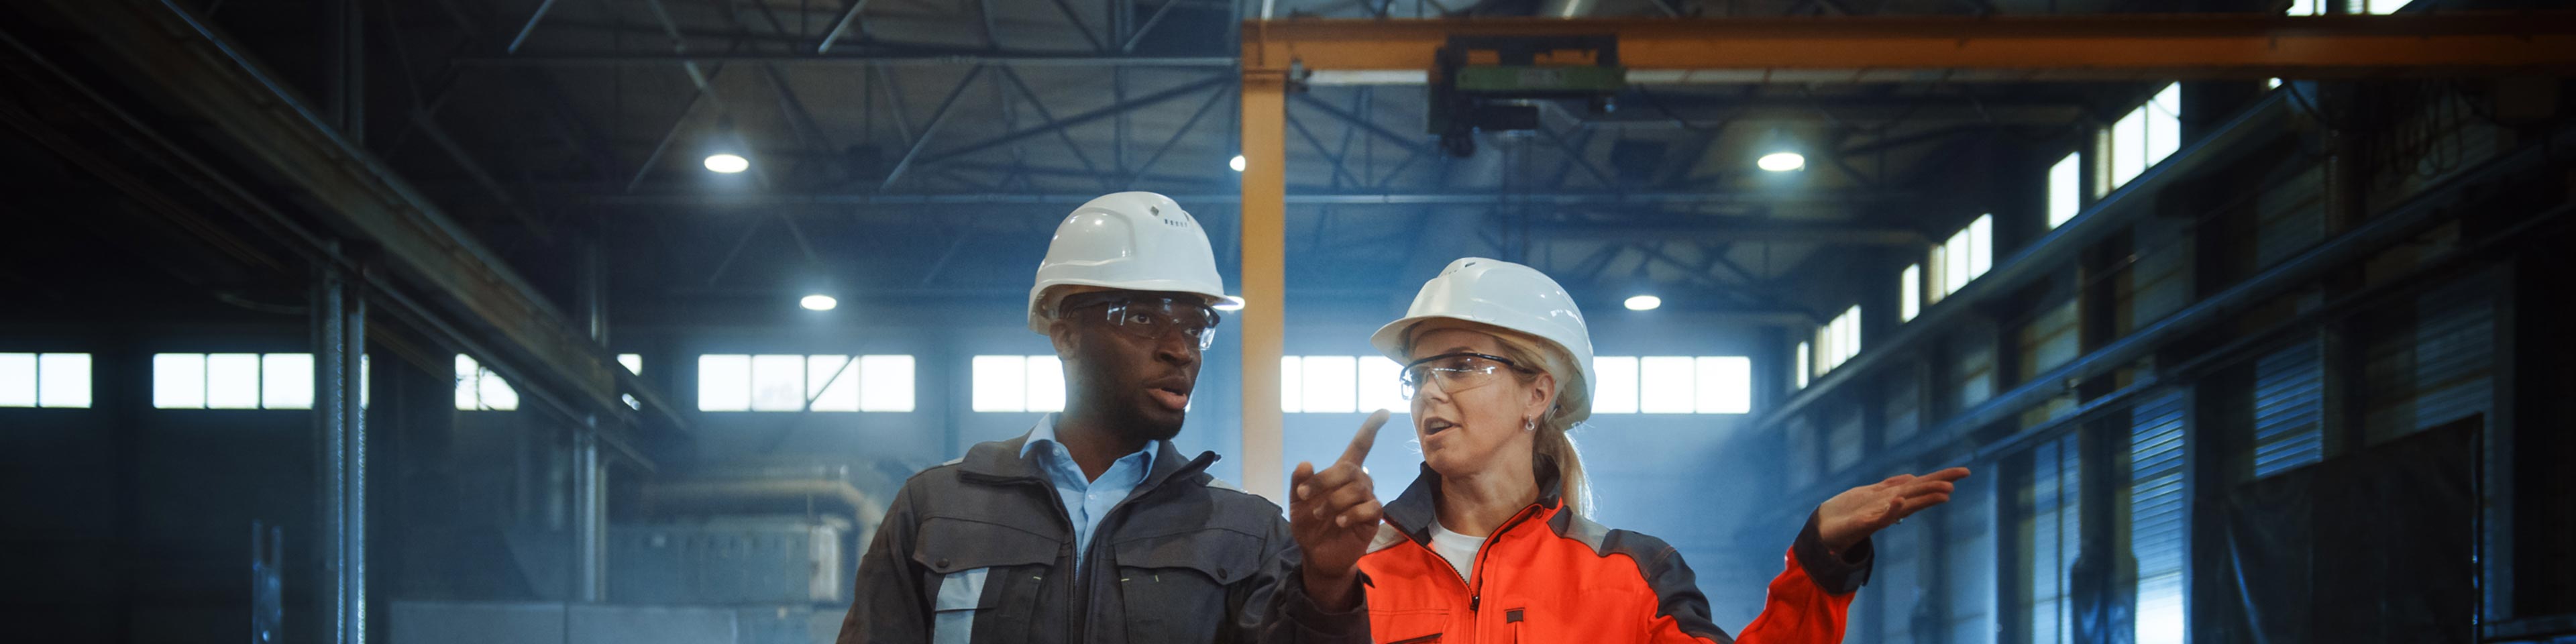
pixel 1550 575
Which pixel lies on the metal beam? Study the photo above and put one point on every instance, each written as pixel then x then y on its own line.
pixel 848 16
pixel 1265 278
pixel 1584 198
pixel 1725 231
pixel 1960 48
pixel 605 59
pixel 1077 119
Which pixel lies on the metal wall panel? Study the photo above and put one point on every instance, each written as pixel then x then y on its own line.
pixel 2289 217
pixel 2433 371
pixel 2289 410
pixel 2159 536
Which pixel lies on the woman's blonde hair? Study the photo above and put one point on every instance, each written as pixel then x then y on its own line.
pixel 1554 440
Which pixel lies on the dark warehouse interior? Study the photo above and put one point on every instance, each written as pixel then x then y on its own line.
pixel 527 321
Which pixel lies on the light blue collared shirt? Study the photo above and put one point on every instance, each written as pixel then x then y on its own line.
pixel 1086 501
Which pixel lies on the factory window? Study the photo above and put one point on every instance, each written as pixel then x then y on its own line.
pixel 2157 517
pixel 239 380
pixel 2049 533
pixel 1672 385
pixel 1909 292
pixel 634 363
pixel 1018 384
pixel 1838 341
pixel 1965 256
pixel 2146 136
pixel 2374 7
pixel 2065 189
pixel 1805 357
pixel 1340 385
pixel 479 389
pixel 804 383
pixel 1616 393
pixel 56 380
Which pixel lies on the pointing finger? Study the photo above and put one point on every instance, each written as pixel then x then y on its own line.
pixel 1361 442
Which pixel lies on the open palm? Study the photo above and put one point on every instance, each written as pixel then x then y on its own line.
pixel 1846 519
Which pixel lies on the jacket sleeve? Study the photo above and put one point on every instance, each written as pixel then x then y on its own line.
pixel 888 604
pixel 1272 606
pixel 1808 602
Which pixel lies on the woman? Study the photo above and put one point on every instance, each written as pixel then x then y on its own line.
pixel 1490 544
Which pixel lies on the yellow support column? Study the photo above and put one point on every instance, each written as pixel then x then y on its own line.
pixel 1265 275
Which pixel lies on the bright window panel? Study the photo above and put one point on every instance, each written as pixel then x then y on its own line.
pixel 62 380
pixel 1909 292
pixel 1825 351
pixel 1292 384
pixel 2164 124
pixel 286 381
pixel 2304 8
pixel 1851 335
pixel 1616 393
pixel 724 383
pixel 2065 189
pixel 1001 383
pixel 17 380
pixel 1331 384
pixel 2128 147
pixel 1666 385
pixel 1981 246
pixel 1954 262
pixel 1046 383
pixel 888 383
pixel 496 392
pixel 1725 385
pixel 467 397
pixel 1801 371
pixel 179 381
pixel 634 362
pixel 832 382
pixel 777 383
pixel 1379 386
pixel 2382 7
pixel 232 381
pixel 1936 279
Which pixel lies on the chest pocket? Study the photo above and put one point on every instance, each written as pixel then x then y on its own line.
pixel 1176 586
pixel 984 578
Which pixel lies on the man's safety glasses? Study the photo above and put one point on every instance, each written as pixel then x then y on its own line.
pixel 1146 317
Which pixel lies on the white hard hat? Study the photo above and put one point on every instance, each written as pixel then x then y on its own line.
pixel 1135 241
pixel 1513 297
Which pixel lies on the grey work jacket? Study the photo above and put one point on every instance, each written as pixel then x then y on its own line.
pixel 981 550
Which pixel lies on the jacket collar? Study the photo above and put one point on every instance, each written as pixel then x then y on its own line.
pixel 1010 460
pixel 1413 511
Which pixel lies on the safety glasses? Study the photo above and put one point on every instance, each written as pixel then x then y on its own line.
pixel 1146 317
pixel 1456 372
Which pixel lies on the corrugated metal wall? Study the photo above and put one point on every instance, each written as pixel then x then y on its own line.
pixel 2289 410
pixel 2434 370
pixel 2289 216
pixel 2157 521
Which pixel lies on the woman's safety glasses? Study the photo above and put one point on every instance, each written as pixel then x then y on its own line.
pixel 1456 372
pixel 1147 317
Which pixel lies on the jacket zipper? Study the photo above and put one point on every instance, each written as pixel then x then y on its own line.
pixel 1475 587
pixel 1090 578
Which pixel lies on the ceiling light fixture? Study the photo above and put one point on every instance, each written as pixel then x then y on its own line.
pixel 1782 161
pixel 1237 163
pixel 727 163
pixel 1644 303
pixel 819 302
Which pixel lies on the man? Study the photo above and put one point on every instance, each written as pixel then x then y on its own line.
pixel 1091 527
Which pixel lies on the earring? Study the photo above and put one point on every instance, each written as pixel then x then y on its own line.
pixel 1529 424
